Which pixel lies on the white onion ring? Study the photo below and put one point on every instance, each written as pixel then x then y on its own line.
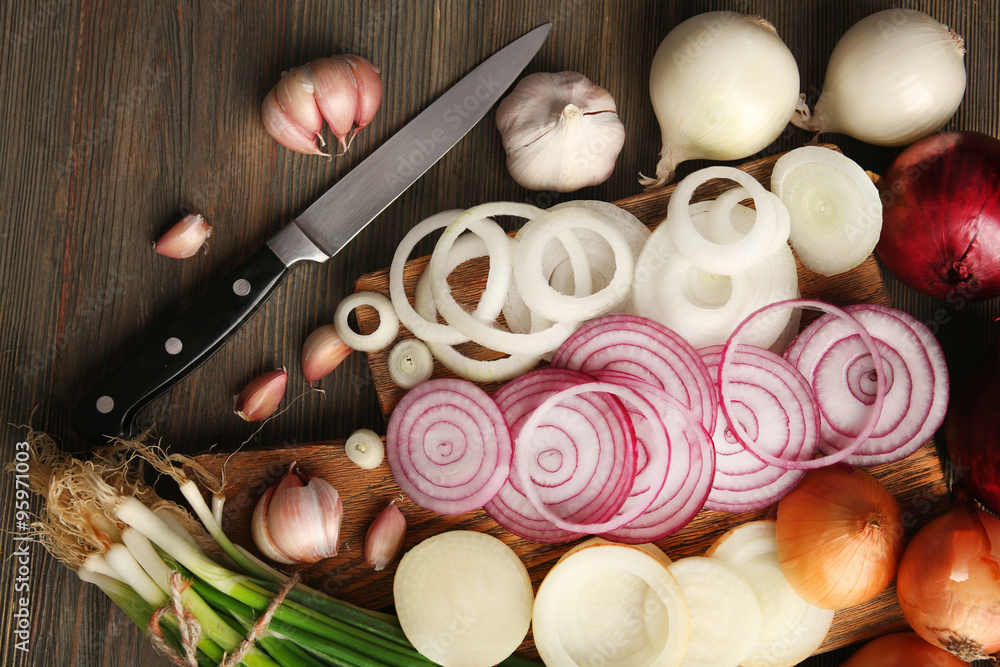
pixel 410 363
pixel 533 285
pixel 388 322
pixel 724 258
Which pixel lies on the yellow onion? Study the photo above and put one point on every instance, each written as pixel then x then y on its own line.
pixel 901 649
pixel 949 582
pixel 840 537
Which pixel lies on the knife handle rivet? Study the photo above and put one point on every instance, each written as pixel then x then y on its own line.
pixel 105 404
pixel 173 345
pixel 241 287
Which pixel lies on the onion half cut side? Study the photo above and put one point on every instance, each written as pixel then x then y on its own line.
pixel 448 446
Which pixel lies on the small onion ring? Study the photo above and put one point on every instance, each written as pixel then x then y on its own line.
pixel 658 457
pixel 410 363
pixel 388 322
pixel 725 403
pixel 725 258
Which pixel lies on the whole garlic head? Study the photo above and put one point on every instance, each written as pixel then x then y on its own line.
pixel 560 131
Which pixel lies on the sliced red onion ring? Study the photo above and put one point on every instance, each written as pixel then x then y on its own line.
pixel 648 350
pixel 742 481
pixel 727 373
pixel 529 446
pixel 448 446
pixel 689 477
pixel 586 448
pixel 839 367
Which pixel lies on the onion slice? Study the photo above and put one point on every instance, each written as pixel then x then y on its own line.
pixel 726 370
pixel 448 446
pixel 610 602
pixel 835 208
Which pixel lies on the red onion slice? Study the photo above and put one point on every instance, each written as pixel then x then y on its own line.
pixel 529 445
pixel 838 365
pixel 448 446
pixel 742 481
pixel 689 477
pixel 727 370
pixel 647 350
pixel 585 459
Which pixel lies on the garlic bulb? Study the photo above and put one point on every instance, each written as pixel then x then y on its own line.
pixel 896 76
pixel 723 86
pixel 561 132
pixel 298 521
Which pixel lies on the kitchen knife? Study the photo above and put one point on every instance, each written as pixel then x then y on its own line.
pixel 316 235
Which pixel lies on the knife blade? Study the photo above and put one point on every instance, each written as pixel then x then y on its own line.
pixel 316 235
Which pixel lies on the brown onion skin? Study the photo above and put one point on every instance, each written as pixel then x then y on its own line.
pixel 948 583
pixel 902 649
pixel 941 217
pixel 971 430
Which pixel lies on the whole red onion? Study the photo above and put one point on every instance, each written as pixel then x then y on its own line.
pixel 941 221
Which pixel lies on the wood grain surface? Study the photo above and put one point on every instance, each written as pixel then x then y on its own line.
pixel 122 116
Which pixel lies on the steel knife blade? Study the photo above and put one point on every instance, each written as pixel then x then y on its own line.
pixel 316 235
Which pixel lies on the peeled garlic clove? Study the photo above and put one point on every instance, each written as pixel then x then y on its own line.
pixel 260 398
pixel 294 94
pixel 560 131
pixel 385 536
pixel 262 534
pixel 303 517
pixel 185 238
pixel 322 352
pixel 286 131
pixel 336 94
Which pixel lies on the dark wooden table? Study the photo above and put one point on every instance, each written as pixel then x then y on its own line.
pixel 122 116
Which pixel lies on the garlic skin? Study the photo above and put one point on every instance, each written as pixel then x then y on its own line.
pixel 322 352
pixel 343 90
pixel 385 537
pixel 260 398
pixel 894 77
pixel 185 238
pixel 298 521
pixel 561 132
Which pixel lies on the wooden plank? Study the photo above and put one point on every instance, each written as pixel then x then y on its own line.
pixel 863 284
pixel 917 483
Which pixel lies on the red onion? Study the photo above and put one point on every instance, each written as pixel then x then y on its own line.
pixel 971 430
pixel 941 221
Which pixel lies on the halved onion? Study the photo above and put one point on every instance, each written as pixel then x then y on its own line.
pixel 613 603
pixel 448 446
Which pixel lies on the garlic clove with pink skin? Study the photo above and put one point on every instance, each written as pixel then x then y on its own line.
pixel 343 90
pixel 185 238
pixel 298 521
pixel 561 132
pixel 385 537
pixel 322 352
pixel 262 395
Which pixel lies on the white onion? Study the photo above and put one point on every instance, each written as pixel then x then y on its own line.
pixel 894 77
pixel 388 322
pixel 723 86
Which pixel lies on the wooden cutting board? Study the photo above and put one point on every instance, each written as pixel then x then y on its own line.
pixel 917 482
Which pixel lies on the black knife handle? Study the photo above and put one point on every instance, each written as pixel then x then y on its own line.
pixel 194 336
